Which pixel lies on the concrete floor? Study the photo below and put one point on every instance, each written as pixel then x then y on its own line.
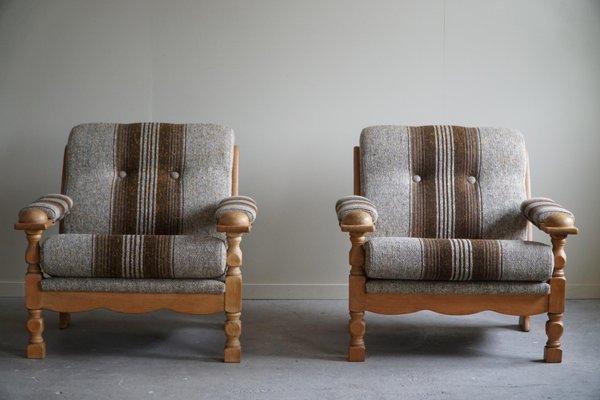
pixel 296 350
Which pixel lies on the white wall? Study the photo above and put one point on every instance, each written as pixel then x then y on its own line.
pixel 298 81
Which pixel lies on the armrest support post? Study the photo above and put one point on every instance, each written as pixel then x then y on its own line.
pixel 234 222
pixel 556 301
pixel 234 219
pixel 357 223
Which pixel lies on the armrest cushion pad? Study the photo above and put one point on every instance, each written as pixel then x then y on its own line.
pixel 237 203
pixel 347 204
pixel 56 206
pixel 541 210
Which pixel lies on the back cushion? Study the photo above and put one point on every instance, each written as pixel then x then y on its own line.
pixel 147 178
pixel 445 181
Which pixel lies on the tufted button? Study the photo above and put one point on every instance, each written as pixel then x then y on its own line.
pixel 122 174
pixel 174 174
pixel 416 178
pixel 471 180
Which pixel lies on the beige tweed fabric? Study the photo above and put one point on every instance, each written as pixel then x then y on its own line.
pixel 457 288
pixel 134 256
pixel 237 203
pixel 208 286
pixel 538 209
pixel 147 178
pixel 457 259
pixel 56 206
pixel 445 181
pixel 351 203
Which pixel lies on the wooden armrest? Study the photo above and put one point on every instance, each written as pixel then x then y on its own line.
pixel 33 220
pixel 559 224
pixel 234 222
pixel 357 221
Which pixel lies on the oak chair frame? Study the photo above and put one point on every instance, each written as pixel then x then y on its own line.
pixel 359 223
pixel 234 224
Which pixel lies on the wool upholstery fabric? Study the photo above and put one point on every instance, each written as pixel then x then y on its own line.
pixel 376 286
pixel 147 178
pixel 133 256
pixel 347 204
pixel 538 209
pixel 445 181
pixel 207 286
pixel 56 206
pixel 237 203
pixel 457 259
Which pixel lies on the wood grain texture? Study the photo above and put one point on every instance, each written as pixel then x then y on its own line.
pixel 233 299
pixel 36 347
pixel 456 304
pixel 357 328
pixel 35 325
pixel 63 185
pixel 357 223
pixel 528 193
pixel 235 171
pixel 525 323
pixel 556 306
pixel 357 171
pixel 133 303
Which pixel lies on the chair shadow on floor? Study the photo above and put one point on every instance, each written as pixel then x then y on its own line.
pixel 292 332
pixel 154 335
pixel 285 329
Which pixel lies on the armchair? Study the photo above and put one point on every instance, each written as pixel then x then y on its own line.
pixel 440 221
pixel 150 218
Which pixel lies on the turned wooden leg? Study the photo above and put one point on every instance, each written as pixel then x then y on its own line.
pixel 357 298
pixel 356 327
pixel 233 299
pixel 554 325
pixel 33 297
pixel 554 330
pixel 525 323
pixel 64 319
pixel 233 329
pixel 35 326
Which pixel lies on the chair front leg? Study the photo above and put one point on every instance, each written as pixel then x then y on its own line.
pixel 33 296
pixel 233 299
pixel 556 303
pixel 357 300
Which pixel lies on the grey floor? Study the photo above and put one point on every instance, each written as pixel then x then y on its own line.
pixel 295 349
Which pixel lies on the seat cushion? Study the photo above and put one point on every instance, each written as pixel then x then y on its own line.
pixel 133 256
pixel 206 286
pixel 457 259
pixel 381 286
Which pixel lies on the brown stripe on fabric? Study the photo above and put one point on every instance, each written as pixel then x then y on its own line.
pixel 146 199
pixel 444 180
pixel 462 263
pixel 125 188
pixel 467 201
pixel 539 207
pixel 422 155
pixel 437 260
pixel 134 250
pixel 169 191
pixel 158 257
pixel 108 256
pixel 487 260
